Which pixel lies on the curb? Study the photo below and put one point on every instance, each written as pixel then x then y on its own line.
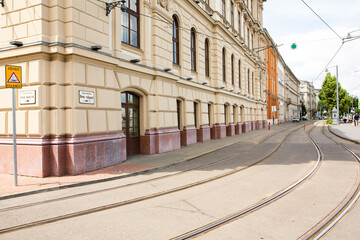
pixel 342 137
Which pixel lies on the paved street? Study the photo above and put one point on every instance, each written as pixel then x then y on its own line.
pixel 168 202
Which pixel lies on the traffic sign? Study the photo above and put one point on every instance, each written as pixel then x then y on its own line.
pixel 13 77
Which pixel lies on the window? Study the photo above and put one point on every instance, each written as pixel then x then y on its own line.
pixel 193 50
pixel 253 83
pixel 248 74
pixel 248 36
pixel 224 65
pixel 130 24
pixel 232 14
pixel 232 70
pixel 239 23
pixel 175 41
pixel 239 73
pixel 207 58
pixel 223 9
pixel 252 41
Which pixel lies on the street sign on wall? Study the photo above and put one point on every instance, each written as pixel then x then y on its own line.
pixel 13 77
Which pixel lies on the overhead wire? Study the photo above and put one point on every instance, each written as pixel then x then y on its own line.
pixel 322 19
pixel 342 44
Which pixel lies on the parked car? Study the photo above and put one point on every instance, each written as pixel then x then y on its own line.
pixel 304 118
pixel 296 119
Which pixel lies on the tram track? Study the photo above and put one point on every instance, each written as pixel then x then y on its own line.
pixel 342 209
pixel 142 198
pixel 237 215
pixel 144 181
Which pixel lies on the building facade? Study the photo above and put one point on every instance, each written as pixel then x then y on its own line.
pixel 292 96
pixel 271 59
pixel 281 89
pixel 144 78
pixel 308 97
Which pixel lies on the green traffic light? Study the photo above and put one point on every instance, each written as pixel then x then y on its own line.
pixel 293 46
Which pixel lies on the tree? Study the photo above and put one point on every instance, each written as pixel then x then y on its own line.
pixel 322 106
pixel 303 109
pixel 328 95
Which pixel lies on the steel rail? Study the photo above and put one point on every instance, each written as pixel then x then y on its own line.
pixel 334 217
pixel 142 198
pixel 258 205
pixel 140 182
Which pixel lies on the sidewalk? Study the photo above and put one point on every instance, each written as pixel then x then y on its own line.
pixel 347 131
pixel 134 165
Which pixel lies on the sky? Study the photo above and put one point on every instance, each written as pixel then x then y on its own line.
pixel 291 21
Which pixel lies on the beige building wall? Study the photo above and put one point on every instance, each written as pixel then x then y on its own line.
pixel 58 64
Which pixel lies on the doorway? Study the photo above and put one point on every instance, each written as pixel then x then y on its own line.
pixel 130 122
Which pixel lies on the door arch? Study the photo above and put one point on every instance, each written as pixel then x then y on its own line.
pixel 130 108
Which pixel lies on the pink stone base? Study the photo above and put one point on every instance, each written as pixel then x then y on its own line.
pixel 258 125
pixel 246 127
pixel 203 134
pixel 188 136
pixel 265 123
pixel 160 140
pixel 58 156
pixel 238 128
pixel 218 131
pixel 230 130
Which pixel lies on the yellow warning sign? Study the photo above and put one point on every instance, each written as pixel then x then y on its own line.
pixel 13 77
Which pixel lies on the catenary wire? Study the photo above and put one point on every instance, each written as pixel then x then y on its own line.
pixel 322 20
pixel 342 44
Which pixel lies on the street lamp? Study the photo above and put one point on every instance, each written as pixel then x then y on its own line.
pixel 337 93
pixel 349 36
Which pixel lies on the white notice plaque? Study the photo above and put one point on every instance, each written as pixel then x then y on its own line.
pixel 86 97
pixel 27 97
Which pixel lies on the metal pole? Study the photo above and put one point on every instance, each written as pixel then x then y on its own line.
pixel 14 136
pixel 337 95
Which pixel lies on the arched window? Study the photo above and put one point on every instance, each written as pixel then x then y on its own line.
pixel 224 64
pixel 207 58
pixel 239 73
pixel 232 70
pixel 193 50
pixel 175 41
pixel 130 24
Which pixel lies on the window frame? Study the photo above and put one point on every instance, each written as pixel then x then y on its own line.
pixel 193 49
pixel 224 64
pixel 232 70
pixel 175 41
pixel 224 8
pixel 239 65
pixel 207 58
pixel 130 13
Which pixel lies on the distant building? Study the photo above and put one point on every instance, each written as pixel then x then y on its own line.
pixel 292 96
pixel 308 97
